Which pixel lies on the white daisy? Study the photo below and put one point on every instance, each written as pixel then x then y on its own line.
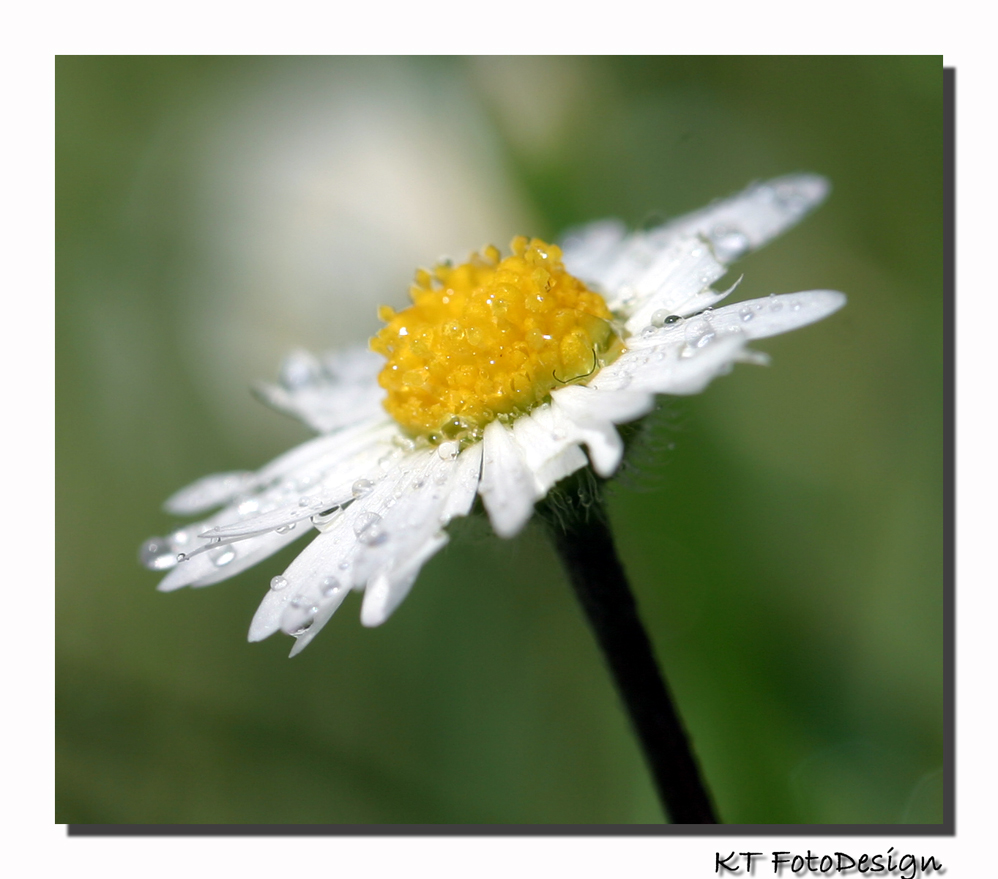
pixel 503 377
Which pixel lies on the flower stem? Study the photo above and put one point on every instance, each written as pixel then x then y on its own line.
pixel 581 533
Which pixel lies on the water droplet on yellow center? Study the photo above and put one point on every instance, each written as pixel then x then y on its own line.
pixel 489 339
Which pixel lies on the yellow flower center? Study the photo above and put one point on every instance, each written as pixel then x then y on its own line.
pixel 489 339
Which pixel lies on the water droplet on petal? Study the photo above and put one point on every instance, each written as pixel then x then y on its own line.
pixel 369 529
pixel 448 451
pixel 323 520
pixel 746 313
pixel 157 554
pixel 181 556
pixel 774 303
pixel 729 244
pixel 699 333
pixel 222 556
pixel 278 583
pixel 662 318
pixel 330 586
pixel 362 487
pixel 648 331
pixel 284 529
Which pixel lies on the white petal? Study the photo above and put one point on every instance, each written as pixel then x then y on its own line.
pixel 462 495
pixel 331 554
pixel 328 395
pixel 222 562
pixel 748 220
pixel 409 519
pixel 667 261
pixel 381 540
pixel 587 404
pixel 325 452
pixel 387 590
pixel 759 318
pixel 207 492
pixel 646 277
pixel 507 487
pixel 674 367
pixel 303 639
pixel 589 250
pixel 550 454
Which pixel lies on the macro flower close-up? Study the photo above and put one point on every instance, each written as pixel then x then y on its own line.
pixel 490 384
pixel 574 422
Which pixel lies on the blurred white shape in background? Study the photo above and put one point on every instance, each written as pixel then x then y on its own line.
pixel 323 185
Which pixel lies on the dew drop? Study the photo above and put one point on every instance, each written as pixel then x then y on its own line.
pixel 728 243
pixel 323 520
pixel 403 442
pixel 648 331
pixel 362 487
pixel 330 586
pixel 774 303
pixel 305 501
pixel 699 333
pixel 302 629
pixel 448 451
pixel 222 556
pixel 278 583
pixel 369 529
pixel 156 554
pixel 746 313
pixel 181 556
pixel 284 529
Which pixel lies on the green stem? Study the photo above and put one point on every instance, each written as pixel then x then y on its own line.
pixel 581 534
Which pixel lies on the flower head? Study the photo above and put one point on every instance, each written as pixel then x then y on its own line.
pixel 504 376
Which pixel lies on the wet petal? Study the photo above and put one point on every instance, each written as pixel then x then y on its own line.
pixel 327 395
pixel 746 221
pixel 507 488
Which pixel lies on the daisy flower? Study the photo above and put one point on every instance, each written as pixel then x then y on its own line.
pixel 504 376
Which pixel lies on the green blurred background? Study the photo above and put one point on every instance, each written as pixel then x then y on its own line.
pixel 783 531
